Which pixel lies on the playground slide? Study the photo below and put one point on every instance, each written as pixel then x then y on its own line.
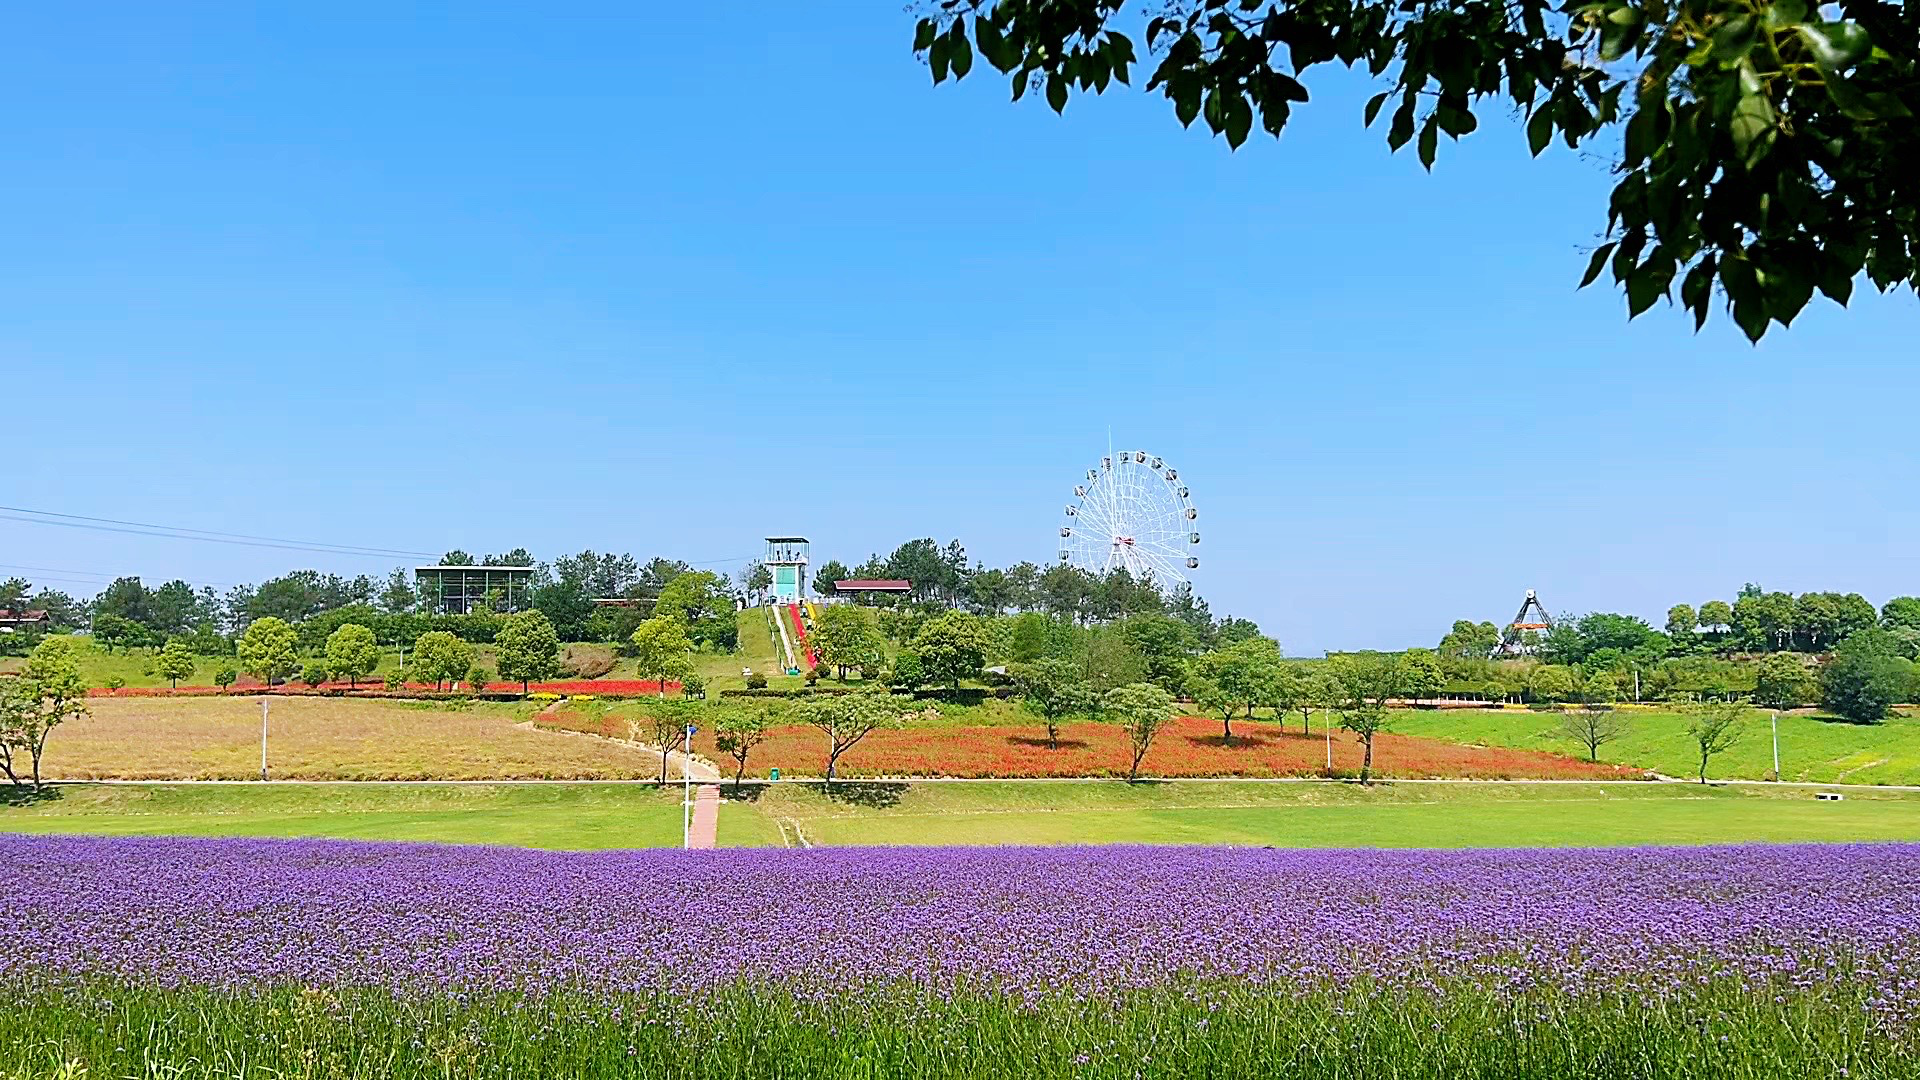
pixel 800 632
pixel 786 643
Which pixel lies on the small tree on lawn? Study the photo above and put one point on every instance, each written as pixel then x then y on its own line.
pixel 1215 697
pixel 1592 728
pixel 268 649
pixel 477 679
pixel 43 696
pixel 352 652
pixel 848 636
pixel 1714 727
pixel 1055 689
pixel 661 645
pixel 738 731
pixel 1141 709
pixel 1420 676
pixel 174 663
pixel 845 719
pixel 1363 684
pixel 667 723
pixel 527 648
pixel 440 658
pixel 225 678
pixel 1866 676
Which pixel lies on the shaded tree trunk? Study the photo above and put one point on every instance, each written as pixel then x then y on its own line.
pixel 1366 761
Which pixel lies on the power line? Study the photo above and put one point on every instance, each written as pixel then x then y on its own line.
pixel 172 532
pixel 94 575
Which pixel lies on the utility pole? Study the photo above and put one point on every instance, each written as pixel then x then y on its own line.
pixel 263 738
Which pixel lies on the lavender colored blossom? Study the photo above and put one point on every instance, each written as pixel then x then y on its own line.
pixel 1023 921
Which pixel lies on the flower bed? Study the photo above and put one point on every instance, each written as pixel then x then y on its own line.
pixel 1189 747
pixel 378 688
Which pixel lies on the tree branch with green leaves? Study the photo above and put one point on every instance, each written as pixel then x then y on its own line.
pixel 1765 147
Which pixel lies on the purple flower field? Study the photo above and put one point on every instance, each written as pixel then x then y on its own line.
pixel 1026 922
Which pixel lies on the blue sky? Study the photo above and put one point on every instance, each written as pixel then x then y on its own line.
pixel 473 277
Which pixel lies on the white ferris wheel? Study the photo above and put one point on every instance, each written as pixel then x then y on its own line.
pixel 1133 512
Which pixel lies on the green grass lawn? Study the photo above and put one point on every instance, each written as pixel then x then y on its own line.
pixel 1345 815
pixel 1812 748
pixel 588 816
pixel 557 816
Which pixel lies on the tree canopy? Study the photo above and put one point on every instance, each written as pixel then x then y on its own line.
pixel 1762 150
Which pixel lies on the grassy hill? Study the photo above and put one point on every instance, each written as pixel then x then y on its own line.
pixel 1813 747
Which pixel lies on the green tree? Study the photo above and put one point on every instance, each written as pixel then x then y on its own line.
pixel 1420 675
pixel 1716 617
pixel 114 632
pixel 1782 682
pixel 174 663
pixel 47 692
pixel 225 678
pixel 1866 676
pixel 1055 689
pixel 1714 726
pixel 1759 141
pixel 1599 688
pixel 1166 644
pixel 527 649
pixel 848 636
pixel 845 719
pixel 952 646
pixel 661 645
pixel 439 658
pixel 1141 709
pixel 315 673
pixel 1363 684
pixel 701 602
pixel 907 674
pixel 268 649
pixel 1549 683
pixel 353 652
pixel 1681 623
pixel 1469 640
pixel 1901 612
pixel 736 731
pixel 825 575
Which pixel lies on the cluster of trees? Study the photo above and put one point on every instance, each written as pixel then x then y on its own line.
pixel 942 578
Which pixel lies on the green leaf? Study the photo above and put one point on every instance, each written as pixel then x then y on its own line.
pixel 993 45
pixel 1455 121
pixel 937 59
pixel 1373 106
pixel 1836 45
pixel 1238 119
pixel 1696 290
pixel 1594 264
pixel 1786 13
pixel 1751 315
pixel 1645 285
pixel 1837 285
pixel 1752 128
pixel 924 32
pixel 1733 39
pixel 1402 127
pixel 1057 92
pixel 962 49
pixel 1429 142
pixel 1539 130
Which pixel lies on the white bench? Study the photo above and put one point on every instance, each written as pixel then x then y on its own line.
pixel 1828 796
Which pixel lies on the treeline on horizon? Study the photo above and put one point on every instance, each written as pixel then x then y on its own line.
pixel 128 613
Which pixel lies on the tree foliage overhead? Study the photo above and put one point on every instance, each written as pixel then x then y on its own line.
pixel 1764 148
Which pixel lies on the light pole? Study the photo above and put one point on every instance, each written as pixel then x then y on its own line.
pixel 686 788
pixel 1774 719
pixel 263 738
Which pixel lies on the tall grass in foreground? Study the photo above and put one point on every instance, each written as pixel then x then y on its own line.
pixel 1722 1031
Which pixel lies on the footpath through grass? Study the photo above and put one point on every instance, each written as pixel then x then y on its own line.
pixel 595 816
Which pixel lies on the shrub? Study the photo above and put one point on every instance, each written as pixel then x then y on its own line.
pixel 477 680
pixel 756 681
pixel 314 674
pixel 225 678
pixel 115 682
pixel 812 676
pixel 693 685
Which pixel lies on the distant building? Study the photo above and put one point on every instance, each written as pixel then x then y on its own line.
pixel 14 621
pixel 456 590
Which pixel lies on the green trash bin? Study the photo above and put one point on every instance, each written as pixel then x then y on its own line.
pixel 773 774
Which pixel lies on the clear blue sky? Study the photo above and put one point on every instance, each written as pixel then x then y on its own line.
pixel 668 278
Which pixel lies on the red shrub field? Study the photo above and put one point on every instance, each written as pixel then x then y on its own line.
pixel 1191 746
